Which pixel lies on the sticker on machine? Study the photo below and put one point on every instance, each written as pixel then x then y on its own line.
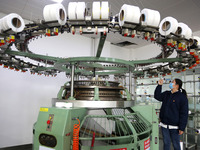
pixel 147 144
pixel 119 149
pixel 45 148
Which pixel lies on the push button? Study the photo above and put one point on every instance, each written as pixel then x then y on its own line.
pixel 48 122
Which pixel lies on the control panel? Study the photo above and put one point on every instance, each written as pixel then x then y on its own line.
pixel 50 122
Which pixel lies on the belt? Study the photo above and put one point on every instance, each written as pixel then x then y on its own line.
pixel 168 126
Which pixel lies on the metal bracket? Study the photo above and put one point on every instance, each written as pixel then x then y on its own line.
pixel 101 44
pixel 96 95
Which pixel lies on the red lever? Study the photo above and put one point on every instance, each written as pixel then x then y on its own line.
pixel 93 139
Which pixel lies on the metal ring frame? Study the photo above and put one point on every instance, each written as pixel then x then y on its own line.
pixel 103 66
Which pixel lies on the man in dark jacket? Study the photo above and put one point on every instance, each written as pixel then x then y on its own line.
pixel 173 113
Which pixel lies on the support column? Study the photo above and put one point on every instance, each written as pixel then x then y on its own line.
pixel 101 44
pixel 72 82
pixel 130 82
pixel 186 133
pixel 134 90
pixel 195 109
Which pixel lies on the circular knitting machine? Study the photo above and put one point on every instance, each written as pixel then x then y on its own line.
pixel 97 114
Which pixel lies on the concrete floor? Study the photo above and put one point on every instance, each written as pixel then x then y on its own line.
pixel 29 147
pixel 24 147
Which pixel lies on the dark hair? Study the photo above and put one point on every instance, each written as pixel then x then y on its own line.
pixel 180 83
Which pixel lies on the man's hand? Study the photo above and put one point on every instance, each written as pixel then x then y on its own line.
pixel 160 82
pixel 180 132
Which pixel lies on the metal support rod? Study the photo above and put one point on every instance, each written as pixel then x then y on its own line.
pixel 186 134
pixel 134 90
pixel 163 54
pixel 130 82
pixel 94 72
pixel 195 118
pixel 194 91
pixel 101 44
pixel 194 145
pixel 184 76
pixel 77 77
pixel 72 80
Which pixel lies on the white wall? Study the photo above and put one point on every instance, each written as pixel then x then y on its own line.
pixel 146 52
pixel 65 45
pixel 21 97
pixel 22 94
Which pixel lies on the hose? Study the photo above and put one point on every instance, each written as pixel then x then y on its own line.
pixel 76 135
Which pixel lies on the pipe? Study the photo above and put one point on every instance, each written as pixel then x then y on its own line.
pixel 77 77
pixel 194 145
pixel 130 82
pixel 94 72
pixel 195 121
pixel 72 80
pixel 134 90
pixel 186 134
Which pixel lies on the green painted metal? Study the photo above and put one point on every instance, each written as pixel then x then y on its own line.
pixel 91 62
pixel 108 111
pixel 149 113
pixel 64 119
pixel 85 72
pixel 101 44
pixel 133 136
pixel 115 68
pixel 62 126
pixel 92 65
pixel 150 61
pixel 110 72
pixel 135 143
pixel 94 59
pixel 128 94
pixel 31 55
pixel 60 93
pixel 62 89
pixel 78 71
pixel 71 98
pixel 96 94
pixel 43 68
pixel 107 83
pixel 121 146
pixel 100 66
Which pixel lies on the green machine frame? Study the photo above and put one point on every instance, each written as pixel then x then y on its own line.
pixel 131 131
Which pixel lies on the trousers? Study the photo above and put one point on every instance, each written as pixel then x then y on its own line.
pixel 171 135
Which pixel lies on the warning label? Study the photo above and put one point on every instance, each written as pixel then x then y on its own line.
pixel 119 149
pixel 147 144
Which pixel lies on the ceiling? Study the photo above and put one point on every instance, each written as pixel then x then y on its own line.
pixel 186 11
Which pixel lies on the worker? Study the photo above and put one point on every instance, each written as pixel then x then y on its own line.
pixel 173 112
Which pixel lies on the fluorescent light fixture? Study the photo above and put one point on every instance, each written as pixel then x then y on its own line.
pixel 58 1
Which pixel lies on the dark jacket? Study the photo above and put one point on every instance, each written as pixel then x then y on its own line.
pixel 174 109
